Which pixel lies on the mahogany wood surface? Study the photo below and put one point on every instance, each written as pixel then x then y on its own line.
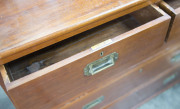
pixel 81 42
pixel 2 83
pixel 155 94
pixel 137 84
pixel 176 24
pixel 27 26
pixel 172 7
pixel 64 81
pixel 135 97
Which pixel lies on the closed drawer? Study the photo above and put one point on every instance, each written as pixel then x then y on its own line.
pixel 139 96
pixel 136 85
pixel 172 7
pixel 55 75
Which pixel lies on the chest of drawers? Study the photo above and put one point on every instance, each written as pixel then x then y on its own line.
pixel 68 59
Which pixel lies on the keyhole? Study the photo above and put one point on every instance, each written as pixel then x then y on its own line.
pixel 102 53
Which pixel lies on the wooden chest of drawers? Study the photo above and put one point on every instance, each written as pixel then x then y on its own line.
pixel 59 74
pixel 95 52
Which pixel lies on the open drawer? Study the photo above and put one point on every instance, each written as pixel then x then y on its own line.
pixel 74 67
pixel 172 7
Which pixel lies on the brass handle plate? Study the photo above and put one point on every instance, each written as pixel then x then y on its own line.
pixel 101 64
pixel 169 79
pixel 93 103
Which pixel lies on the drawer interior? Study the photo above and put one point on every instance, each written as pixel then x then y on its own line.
pixel 173 3
pixel 68 47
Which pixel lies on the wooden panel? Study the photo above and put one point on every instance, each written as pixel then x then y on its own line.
pixel 2 83
pixel 141 93
pixel 156 93
pixel 64 81
pixel 136 84
pixel 146 92
pixel 27 26
pixel 175 32
pixel 130 90
pixel 172 7
pixel 81 42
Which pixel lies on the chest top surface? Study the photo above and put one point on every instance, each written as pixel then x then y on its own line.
pixel 25 24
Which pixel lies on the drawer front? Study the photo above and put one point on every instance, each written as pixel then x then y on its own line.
pixel 65 81
pixel 135 99
pixel 133 87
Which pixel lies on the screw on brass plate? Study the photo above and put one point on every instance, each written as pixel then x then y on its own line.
pixel 102 53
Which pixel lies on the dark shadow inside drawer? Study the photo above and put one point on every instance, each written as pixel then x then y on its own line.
pixel 80 42
pixel 173 3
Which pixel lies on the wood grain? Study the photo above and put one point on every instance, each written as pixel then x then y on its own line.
pixel 155 94
pixel 172 7
pixel 2 83
pixel 52 86
pixel 138 97
pixel 136 84
pixel 175 31
pixel 27 26
pixel 81 42
pixel 146 89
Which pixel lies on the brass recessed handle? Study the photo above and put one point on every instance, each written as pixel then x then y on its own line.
pixel 101 64
pixel 93 103
pixel 169 79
